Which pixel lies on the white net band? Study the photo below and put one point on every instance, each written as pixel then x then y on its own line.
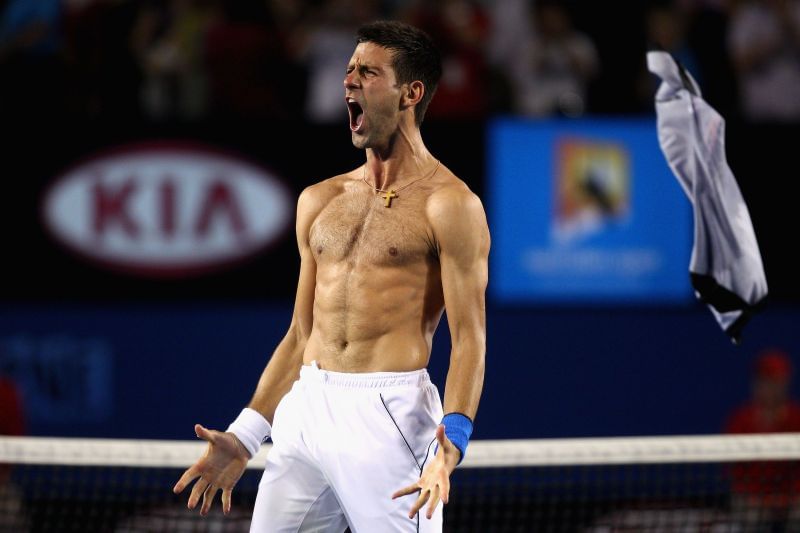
pixel 482 453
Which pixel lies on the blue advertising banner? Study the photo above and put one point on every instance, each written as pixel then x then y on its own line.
pixel 151 371
pixel 585 212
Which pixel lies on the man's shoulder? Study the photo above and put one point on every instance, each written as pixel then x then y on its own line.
pixel 456 216
pixel 452 196
pixel 320 193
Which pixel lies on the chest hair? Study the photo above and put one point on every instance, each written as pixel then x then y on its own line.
pixel 358 228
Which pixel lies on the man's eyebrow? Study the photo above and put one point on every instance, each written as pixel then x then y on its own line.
pixel 361 65
pixel 367 66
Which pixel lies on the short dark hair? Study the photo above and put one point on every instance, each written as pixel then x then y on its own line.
pixel 415 57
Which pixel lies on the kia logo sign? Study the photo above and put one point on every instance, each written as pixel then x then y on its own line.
pixel 167 210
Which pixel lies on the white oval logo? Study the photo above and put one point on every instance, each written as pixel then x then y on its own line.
pixel 167 210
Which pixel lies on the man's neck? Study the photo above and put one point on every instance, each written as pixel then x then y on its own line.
pixel 404 159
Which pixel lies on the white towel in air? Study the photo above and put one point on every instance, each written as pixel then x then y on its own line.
pixel 726 268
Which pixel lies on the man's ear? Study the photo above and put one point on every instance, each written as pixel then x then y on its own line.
pixel 412 94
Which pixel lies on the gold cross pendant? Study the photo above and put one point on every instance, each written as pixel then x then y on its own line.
pixel 388 197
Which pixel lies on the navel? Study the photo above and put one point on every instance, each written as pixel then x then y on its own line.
pixel 392 251
pixel 319 249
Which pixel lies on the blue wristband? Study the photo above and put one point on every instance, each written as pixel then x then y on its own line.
pixel 458 428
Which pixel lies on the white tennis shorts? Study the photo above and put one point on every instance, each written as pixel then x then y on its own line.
pixel 342 445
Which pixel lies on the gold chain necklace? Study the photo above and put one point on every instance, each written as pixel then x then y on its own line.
pixel 389 195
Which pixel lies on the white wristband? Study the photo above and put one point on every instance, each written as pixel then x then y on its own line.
pixel 251 429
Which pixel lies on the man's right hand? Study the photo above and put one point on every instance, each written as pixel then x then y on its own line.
pixel 218 469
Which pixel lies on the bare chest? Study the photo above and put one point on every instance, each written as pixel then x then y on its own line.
pixel 357 228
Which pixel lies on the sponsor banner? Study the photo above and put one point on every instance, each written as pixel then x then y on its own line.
pixel 585 211
pixel 153 371
pixel 167 209
pixel 65 379
pixel 39 265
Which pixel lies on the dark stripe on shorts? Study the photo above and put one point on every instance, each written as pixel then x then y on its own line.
pixel 401 433
pixel 427 449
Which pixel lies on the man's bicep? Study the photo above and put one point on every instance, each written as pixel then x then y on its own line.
pixel 464 243
pixel 464 288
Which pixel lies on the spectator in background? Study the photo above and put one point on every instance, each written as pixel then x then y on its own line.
pixel 247 62
pixel 12 517
pixel 326 44
pixel 666 30
pixel 168 40
pixel 30 56
pixel 764 42
pixel 460 28
pixel 250 68
pixel 706 24
pixel 30 29
pixel 509 26
pixel 12 421
pixel 767 494
pixel 555 65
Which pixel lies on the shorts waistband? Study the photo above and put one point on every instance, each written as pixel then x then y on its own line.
pixel 366 380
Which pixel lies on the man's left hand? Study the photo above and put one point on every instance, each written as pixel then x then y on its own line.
pixel 434 484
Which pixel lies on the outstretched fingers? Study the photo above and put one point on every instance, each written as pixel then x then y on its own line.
pixel 188 476
pixel 411 489
pixel 198 490
pixel 217 470
pixel 433 502
pixel 208 499
pixel 424 494
pixel 193 471
pixel 226 500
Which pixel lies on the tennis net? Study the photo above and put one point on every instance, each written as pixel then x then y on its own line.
pixel 648 484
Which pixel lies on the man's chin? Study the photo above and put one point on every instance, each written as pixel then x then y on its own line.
pixel 359 141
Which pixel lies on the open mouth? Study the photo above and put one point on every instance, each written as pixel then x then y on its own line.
pixel 356 115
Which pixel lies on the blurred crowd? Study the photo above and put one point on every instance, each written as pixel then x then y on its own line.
pixel 284 59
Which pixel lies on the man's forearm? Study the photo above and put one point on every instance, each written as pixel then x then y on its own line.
pixel 281 371
pixel 465 378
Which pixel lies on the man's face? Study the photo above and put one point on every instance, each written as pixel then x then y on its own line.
pixel 372 96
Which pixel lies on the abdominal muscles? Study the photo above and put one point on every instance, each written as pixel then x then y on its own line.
pixel 370 318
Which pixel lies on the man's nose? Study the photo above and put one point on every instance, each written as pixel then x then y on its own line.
pixel 351 80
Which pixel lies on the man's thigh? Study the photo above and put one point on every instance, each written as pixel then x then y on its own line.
pixel 369 505
pixel 293 498
pixel 293 495
pixel 383 452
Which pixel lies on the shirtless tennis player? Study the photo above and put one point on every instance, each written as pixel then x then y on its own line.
pixel 359 435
